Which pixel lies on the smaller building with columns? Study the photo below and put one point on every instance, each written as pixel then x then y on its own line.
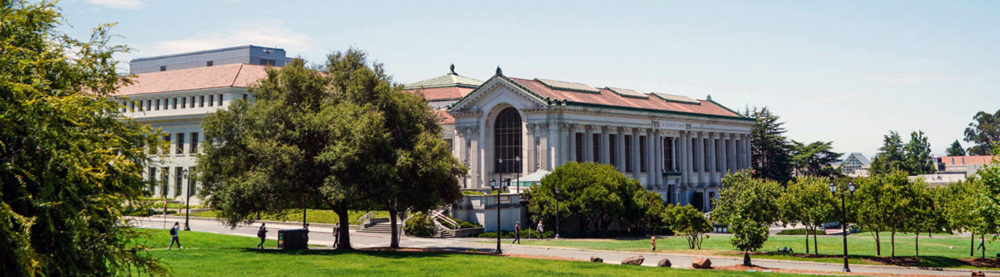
pixel 676 146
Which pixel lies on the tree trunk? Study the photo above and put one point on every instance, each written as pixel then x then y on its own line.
pixel 972 245
pixel 394 241
pixel 344 242
pixel 878 244
pixel 916 244
pixel 892 242
pixel 746 258
pixel 815 244
pixel 982 238
pixel 807 240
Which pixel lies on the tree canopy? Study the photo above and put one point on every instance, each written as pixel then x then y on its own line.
pixel 748 206
pixel 343 136
pixel 808 201
pixel 814 159
pixel 594 196
pixel 983 132
pixel 913 157
pixel 955 149
pixel 769 147
pixel 689 222
pixel 69 160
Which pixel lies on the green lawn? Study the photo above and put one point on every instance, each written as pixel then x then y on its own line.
pixel 207 254
pixel 312 216
pixel 939 251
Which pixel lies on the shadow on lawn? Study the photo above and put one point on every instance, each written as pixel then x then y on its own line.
pixel 927 262
pixel 400 253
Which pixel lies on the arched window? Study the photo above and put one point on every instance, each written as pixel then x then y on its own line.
pixel 507 140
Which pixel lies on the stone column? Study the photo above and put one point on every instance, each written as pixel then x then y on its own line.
pixel 724 147
pixel 620 140
pixel 475 160
pixel 712 164
pixel 588 146
pixel 552 144
pixel 657 171
pixel 605 145
pixel 563 145
pixel 747 156
pixel 700 157
pixel 528 159
pixel 684 141
pixel 635 153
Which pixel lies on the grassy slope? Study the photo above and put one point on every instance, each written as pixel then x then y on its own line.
pixel 312 216
pixel 207 254
pixel 939 251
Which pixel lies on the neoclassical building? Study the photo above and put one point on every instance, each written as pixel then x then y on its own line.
pixel 676 146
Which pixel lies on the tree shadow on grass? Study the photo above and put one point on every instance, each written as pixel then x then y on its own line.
pixel 400 253
pixel 924 262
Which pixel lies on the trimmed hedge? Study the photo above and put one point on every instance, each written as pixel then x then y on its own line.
pixel 524 234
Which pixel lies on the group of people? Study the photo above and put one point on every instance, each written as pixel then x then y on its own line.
pixel 517 231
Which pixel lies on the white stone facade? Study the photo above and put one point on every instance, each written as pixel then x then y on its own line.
pixel 678 155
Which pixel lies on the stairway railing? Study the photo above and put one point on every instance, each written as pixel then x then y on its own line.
pixel 364 220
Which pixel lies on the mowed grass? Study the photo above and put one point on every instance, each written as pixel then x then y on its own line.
pixel 312 216
pixel 208 254
pixel 937 251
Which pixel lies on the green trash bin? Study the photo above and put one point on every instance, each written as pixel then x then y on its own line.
pixel 293 239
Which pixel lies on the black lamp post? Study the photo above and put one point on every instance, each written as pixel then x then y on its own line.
pixel 517 160
pixel 843 219
pixel 557 213
pixel 497 187
pixel 187 204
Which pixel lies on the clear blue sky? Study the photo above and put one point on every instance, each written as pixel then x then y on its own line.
pixel 839 71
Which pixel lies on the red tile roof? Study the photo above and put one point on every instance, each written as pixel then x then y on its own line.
pixel 966 160
pixel 445 93
pixel 444 117
pixel 608 97
pixel 228 75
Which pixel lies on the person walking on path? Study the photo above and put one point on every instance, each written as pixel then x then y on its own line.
pixel 262 234
pixel 173 236
pixel 517 233
pixel 652 241
pixel 540 229
pixel 336 235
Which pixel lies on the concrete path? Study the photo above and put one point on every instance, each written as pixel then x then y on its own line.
pixel 323 236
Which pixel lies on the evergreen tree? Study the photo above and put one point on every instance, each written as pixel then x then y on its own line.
pixel 984 132
pixel 918 154
pixel 771 152
pixel 814 159
pixel 955 149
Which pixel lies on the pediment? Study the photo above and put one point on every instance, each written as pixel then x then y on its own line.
pixel 498 88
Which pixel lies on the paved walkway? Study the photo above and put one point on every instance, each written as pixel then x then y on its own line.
pixel 323 236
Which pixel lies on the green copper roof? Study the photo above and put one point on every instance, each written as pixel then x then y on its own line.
pixel 447 80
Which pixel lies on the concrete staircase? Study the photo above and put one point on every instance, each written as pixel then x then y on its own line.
pixel 378 225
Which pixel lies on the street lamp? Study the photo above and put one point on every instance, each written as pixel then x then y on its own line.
pixel 497 187
pixel 843 219
pixel 187 204
pixel 557 213
pixel 517 166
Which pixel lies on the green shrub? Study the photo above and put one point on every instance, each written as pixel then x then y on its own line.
pixel 524 234
pixel 799 232
pixel 420 225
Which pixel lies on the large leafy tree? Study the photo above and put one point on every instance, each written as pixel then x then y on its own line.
pixel 808 201
pixel 984 132
pixel 958 202
pixel 769 147
pixel 814 159
pixel 748 206
pixel 69 160
pixel 988 206
pixel 594 196
pixel 900 203
pixel 689 222
pixel 955 149
pixel 870 202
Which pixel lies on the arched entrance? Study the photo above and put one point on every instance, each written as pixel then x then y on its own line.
pixel 507 140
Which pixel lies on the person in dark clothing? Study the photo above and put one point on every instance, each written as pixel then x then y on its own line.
pixel 336 235
pixel 173 236
pixel 262 234
pixel 517 233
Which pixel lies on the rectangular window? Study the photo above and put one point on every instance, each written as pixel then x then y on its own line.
pixel 201 101
pixel 719 153
pixel 149 105
pixel 209 63
pixel 611 150
pixel 184 102
pixel 139 106
pixel 578 137
pixel 642 154
pixel 164 181
pixel 695 166
pixel 704 158
pixel 192 186
pixel 157 107
pixel 628 153
pixel 175 103
pixel 152 180
pixel 178 180
pixel 220 99
pixel 163 68
pixel 668 154
pixel 597 147
pixel 192 101
pixel 211 100
pixel 244 97
pixel 180 144
pixel 194 143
